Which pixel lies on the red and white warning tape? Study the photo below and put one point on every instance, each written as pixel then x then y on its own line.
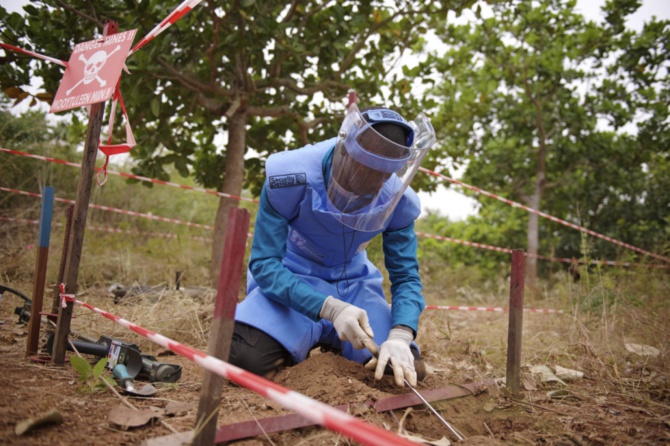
pixel 598 262
pixel 448 239
pixel 542 214
pixel 111 209
pixel 110 149
pixel 553 259
pixel 311 409
pixel 112 230
pixel 6 46
pixel 21 220
pixel 463 242
pixel 493 309
pixel 64 298
pixel 128 175
pixel 175 15
pixel 250 235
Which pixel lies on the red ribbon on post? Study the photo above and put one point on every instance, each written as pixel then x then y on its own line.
pixel 110 149
pixel 65 298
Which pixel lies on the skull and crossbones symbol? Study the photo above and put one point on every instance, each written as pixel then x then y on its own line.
pixel 92 67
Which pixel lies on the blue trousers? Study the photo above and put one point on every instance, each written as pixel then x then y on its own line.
pixel 360 286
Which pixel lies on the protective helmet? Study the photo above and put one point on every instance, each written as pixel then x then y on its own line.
pixel 375 158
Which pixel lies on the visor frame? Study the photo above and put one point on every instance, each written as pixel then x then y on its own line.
pixel 373 160
pixel 349 203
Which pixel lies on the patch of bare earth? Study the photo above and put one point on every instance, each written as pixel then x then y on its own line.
pixel 611 405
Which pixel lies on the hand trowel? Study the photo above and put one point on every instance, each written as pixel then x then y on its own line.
pixel 128 384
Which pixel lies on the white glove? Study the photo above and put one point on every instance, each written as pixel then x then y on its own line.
pixel 350 322
pixel 396 349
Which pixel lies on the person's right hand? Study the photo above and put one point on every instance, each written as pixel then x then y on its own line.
pixel 351 323
pixel 396 352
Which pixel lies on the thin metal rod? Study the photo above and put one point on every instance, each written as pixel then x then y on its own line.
pixel 446 423
pixel 436 413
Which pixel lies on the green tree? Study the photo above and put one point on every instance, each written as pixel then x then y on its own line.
pixel 268 75
pixel 522 96
pixel 32 133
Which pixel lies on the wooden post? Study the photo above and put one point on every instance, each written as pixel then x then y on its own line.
pixel 221 331
pixel 79 221
pixel 63 260
pixel 41 260
pixel 515 322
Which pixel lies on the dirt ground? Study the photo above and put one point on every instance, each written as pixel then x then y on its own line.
pixel 610 405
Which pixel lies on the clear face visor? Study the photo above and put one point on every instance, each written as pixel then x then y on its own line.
pixel 369 172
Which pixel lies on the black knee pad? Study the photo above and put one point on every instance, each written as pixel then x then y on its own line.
pixel 257 352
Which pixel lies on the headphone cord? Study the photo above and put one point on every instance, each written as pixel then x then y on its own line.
pixel 346 250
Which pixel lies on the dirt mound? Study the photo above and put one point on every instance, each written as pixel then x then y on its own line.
pixel 335 380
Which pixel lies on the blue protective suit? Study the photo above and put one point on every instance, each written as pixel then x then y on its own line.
pixel 300 255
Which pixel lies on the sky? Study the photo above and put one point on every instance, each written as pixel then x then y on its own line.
pixel 452 203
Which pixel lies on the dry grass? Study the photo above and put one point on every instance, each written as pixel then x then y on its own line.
pixel 603 314
pixel 604 311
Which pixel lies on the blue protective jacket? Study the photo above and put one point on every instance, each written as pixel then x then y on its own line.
pixel 301 253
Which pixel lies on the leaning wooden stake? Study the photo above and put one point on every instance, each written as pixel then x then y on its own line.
pixel 221 331
pixel 63 261
pixel 79 222
pixel 515 322
pixel 40 270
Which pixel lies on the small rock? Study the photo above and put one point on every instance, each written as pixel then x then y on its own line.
pixel 51 417
pixel 546 375
pixel 568 374
pixel 559 394
pixel 642 350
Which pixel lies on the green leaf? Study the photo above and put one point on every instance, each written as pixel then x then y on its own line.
pixel 99 367
pixel 81 366
pixel 30 9
pixel 155 106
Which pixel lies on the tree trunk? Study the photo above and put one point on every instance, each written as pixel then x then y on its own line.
pixel 533 237
pixel 232 184
pixel 536 198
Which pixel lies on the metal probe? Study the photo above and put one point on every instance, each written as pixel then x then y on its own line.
pixel 435 412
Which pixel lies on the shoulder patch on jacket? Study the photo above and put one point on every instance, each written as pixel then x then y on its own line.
pixel 288 180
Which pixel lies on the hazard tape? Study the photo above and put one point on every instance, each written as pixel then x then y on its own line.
pixel 553 259
pixel 491 309
pixel 128 175
pixel 21 220
pixel 175 15
pixel 111 209
pixel 448 239
pixel 250 235
pixel 463 242
pixel 182 10
pixel 6 46
pixel 112 230
pixel 311 409
pixel 64 297
pixel 542 214
pixel 109 148
pixel 598 262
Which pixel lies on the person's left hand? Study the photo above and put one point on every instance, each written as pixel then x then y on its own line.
pixel 396 350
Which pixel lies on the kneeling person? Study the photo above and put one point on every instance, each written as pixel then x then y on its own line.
pixel 309 281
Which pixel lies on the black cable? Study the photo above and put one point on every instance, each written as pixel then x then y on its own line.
pixel 347 250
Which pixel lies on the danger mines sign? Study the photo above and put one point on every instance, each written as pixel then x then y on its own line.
pixel 93 71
